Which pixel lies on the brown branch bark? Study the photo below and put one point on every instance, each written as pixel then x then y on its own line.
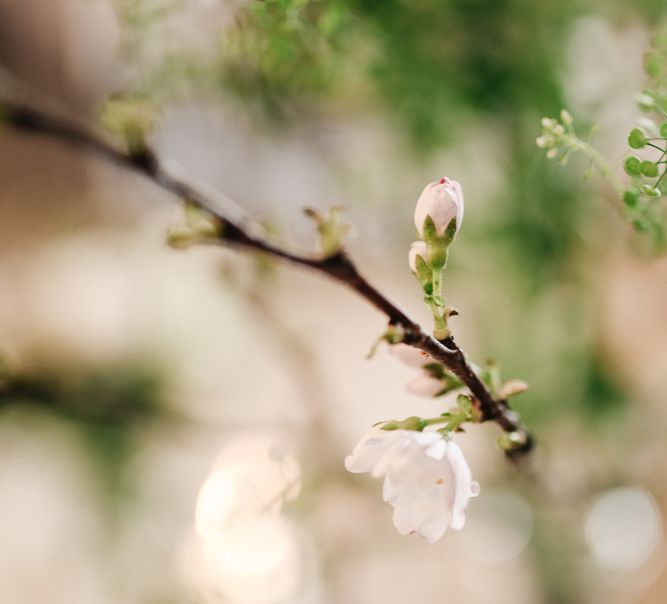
pixel 338 267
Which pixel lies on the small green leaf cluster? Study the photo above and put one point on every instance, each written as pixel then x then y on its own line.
pixel 491 375
pixel 331 229
pixel 132 117
pixel 648 166
pixel 199 227
pixel 647 184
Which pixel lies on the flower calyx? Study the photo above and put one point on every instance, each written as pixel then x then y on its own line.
pixel 199 226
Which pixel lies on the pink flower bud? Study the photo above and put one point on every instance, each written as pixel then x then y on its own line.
pixel 443 202
pixel 418 248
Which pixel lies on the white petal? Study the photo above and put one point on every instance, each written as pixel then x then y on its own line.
pixel 434 529
pixel 421 492
pixel 423 206
pixel 437 450
pixel 425 385
pixel 370 448
pixel 400 464
pixel 457 193
pixel 410 356
pixel 390 490
pixel 422 509
pixel 398 455
pixel 427 438
pixel 407 516
pixel 464 488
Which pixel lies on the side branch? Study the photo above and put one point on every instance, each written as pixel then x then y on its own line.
pixel 338 267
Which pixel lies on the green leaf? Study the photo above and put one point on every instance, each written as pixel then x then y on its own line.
pixel 428 229
pixel 450 231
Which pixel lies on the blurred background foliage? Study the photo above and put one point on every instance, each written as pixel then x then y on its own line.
pixel 441 76
pixel 110 406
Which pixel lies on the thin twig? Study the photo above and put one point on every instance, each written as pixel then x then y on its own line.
pixel 338 267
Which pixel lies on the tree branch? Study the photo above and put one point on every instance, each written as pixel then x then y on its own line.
pixel 338 266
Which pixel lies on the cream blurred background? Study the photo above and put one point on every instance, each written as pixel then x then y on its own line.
pixel 176 429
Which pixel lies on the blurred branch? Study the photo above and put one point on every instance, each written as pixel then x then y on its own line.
pixel 338 266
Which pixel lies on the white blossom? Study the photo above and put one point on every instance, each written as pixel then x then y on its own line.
pixel 418 248
pixel 443 202
pixel 427 479
pixel 410 356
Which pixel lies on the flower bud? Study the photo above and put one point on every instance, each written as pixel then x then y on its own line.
pixel 645 101
pixel 544 141
pixel 411 423
pixel 649 168
pixel 443 202
pixel 637 139
pixel 418 248
pixel 512 388
pixel 633 166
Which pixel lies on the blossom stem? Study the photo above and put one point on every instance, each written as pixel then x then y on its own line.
pixel 452 420
pixel 656 147
pixel 432 421
pixel 662 176
pixel 437 305
pixel 233 232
